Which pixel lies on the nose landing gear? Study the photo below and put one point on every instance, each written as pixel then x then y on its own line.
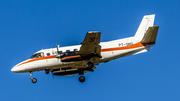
pixel 34 80
pixel 47 71
pixel 90 65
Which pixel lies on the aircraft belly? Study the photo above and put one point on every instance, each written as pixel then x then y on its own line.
pixel 69 72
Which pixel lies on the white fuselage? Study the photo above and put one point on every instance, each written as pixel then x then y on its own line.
pixel 141 42
pixel 109 51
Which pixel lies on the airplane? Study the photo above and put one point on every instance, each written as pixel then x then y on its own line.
pixel 83 58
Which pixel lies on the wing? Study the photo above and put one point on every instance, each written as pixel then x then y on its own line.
pixel 90 43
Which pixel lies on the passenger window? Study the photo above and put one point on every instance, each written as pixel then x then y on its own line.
pixel 48 54
pixel 67 50
pixel 59 52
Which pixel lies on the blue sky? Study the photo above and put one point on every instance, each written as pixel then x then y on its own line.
pixel 31 25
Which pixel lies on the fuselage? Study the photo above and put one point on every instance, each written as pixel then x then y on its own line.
pixel 83 58
pixel 80 59
pixel 109 51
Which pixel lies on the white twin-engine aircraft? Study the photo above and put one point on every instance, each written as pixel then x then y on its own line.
pixel 80 59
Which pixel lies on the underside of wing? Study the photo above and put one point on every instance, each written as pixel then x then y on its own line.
pixel 90 43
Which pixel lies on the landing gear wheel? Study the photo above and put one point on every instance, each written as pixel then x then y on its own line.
pixel 81 78
pixel 34 80
pixel 47 71
pixel 90 65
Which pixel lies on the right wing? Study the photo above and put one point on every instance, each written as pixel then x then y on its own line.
pixel 91 43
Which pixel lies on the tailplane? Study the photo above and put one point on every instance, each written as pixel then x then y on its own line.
pixel 150 36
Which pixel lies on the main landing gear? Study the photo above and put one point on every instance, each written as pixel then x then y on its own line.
pixel 90 65
pixel 81 78
pixel 34 80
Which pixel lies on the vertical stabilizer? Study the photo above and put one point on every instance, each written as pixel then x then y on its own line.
pixel 147 21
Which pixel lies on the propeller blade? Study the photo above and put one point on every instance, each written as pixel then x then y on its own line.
pixel 57 46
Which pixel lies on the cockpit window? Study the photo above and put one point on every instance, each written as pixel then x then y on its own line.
pixel 37 55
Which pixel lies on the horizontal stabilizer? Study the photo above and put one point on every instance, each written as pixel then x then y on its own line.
pixel 151 34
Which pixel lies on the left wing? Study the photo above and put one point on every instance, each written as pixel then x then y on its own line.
pixel 91 43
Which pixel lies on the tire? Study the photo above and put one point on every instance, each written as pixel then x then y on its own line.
pixel 34 80
pixel 90 65
pixel 47 71
pixel 81 78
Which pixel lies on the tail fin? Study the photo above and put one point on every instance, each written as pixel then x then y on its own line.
pixel 147 21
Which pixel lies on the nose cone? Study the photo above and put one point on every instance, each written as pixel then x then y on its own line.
pixel 19 68
pixel 13 69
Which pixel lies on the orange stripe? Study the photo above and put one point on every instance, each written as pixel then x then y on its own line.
pixel 139 44
pixel 36 59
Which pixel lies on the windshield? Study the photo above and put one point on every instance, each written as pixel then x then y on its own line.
pixel 37 55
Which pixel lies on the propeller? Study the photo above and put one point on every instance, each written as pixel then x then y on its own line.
pixel 57 46
pixel 58 55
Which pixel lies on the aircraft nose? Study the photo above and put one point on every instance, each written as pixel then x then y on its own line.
pixel 13 69
pixel 20 67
